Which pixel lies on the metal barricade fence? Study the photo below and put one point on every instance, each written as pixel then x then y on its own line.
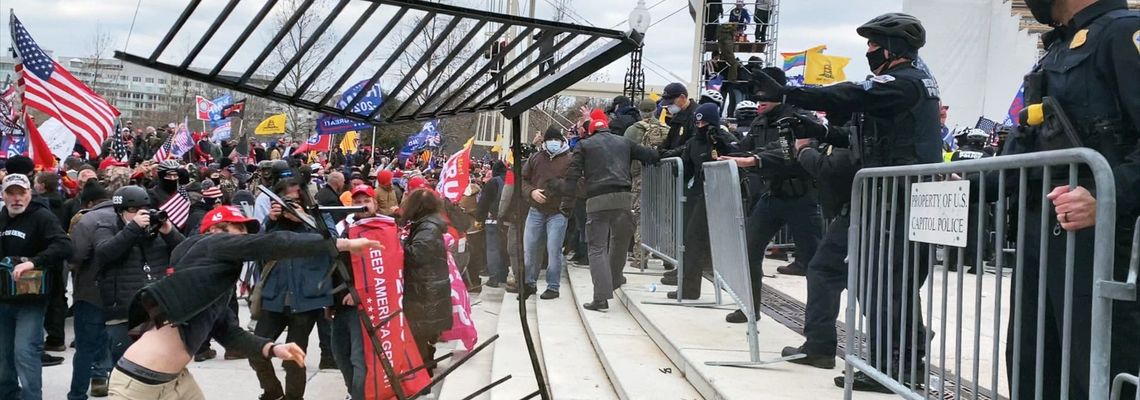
pixel 1133 267
pixel 663 219
pixel 888 337
pixel 730 251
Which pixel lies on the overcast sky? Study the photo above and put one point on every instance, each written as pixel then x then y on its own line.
pixel 67 27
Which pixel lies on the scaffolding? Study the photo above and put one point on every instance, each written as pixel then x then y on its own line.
pixel 730 36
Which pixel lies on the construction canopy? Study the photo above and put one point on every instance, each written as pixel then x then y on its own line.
pixel 435 60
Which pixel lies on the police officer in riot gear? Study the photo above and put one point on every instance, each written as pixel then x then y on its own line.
pixel 972 145
pixel 790 198
pixel 898 125
pixel 1091 72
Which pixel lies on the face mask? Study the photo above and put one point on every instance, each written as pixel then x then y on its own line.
pixel 168 185
pixel 674 109
pixel 876 59
pixel 553 146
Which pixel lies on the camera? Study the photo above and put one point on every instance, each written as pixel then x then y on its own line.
pixel 158 218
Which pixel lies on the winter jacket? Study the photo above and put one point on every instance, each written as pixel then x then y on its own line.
pixel 298 282
pixel 603 161
pixel 544 171
pixel 204 269
pixel 623 119
pixel 35 234
pixel 703 147
pixel 83 241
pixel 682 127
pixel 55 203
pixel 127 259
pixel 386 199
pixel 427 301
pixel 488 208
pixel 198 211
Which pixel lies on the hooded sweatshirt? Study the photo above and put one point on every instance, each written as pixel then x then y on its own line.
pixel 37 235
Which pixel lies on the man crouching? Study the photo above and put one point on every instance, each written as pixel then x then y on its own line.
pixel 176 315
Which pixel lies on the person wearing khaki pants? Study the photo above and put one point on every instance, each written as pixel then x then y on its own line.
pixel 181 388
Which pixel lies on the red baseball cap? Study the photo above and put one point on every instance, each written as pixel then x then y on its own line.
pixel 416 183
pixel 228 214
pixel 111 162
pixel 363 189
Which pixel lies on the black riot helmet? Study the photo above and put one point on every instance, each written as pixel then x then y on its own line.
pixel 130 197
pixel 885 29
pixel 173 166
pixel 279 169
pixel 1042 10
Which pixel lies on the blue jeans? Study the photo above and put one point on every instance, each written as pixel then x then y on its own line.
pixel 348 348
pixel 119 341
pixel 496 260
pixel 92 359
pixel 553 228
pixel 21 346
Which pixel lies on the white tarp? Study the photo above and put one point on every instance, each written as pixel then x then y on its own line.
pixel 978 54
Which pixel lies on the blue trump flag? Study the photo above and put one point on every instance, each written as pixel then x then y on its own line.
pixel 427 137
pixel 369 102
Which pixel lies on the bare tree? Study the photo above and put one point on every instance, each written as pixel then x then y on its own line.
pixel 100 44
pixel 300 121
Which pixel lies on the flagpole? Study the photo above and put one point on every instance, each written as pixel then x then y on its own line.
pixel 373 146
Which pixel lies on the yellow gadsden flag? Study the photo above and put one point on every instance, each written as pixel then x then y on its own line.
pixel 274 125
pixel 824 70
pixel 348 144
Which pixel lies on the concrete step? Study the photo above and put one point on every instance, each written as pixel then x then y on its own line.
pixel 476 372
pixel 510 356
pixel 692 336
pixel 637 367
pixel 572 366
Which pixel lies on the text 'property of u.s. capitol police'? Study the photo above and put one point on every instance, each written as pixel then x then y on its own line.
pixel 939 213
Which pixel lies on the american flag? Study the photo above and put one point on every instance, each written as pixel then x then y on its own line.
pixel 163 151
pixel 985 124
pixel 177 208
pixel 119 147
pixel 48 87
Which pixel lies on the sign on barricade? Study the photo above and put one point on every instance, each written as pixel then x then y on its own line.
pixel 954 345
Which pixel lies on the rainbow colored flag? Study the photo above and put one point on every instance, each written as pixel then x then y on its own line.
pixel 792 60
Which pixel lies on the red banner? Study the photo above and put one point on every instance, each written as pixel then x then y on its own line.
pixel 455 176
pixel 378 277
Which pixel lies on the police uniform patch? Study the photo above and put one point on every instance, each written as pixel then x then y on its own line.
pixel 1079 39
pixel 882 78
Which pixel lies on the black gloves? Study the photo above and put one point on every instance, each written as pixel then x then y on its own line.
pixel 809 128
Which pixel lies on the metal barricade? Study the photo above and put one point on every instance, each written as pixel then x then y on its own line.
pixel 891 275
pixel 662 210
pixel 663 220
pixel 730 251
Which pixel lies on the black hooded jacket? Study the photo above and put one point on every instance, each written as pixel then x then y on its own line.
pixel 123 254
pixel 426 280
pixel 37 235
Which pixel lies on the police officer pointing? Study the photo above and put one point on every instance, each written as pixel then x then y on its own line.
pixel 896 123
pixel 1091 70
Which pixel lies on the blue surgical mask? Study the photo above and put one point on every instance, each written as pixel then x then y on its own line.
pixel 553 146
pixel 674 109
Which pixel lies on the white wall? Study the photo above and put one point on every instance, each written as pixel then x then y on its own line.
pixel 977 53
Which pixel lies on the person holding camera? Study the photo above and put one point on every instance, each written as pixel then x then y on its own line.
pixel 133 246
pixel 31 242
pixel 294 295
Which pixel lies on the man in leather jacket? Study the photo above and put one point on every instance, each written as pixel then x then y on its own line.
pixel 602 160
